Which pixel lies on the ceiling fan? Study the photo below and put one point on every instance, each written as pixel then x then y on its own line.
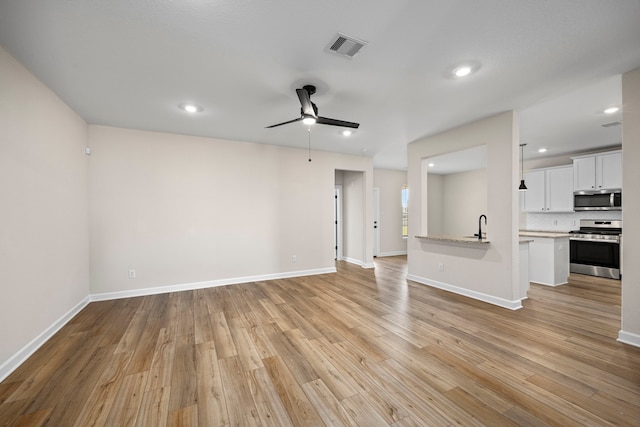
pixel 309 111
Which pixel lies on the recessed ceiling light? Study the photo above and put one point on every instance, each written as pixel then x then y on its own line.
pixel 542 150
pixel 431 165
pixel 612 110
pixel 462 71
pixel 191 108
pixel 346 132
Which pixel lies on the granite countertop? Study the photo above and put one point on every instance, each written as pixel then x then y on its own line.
pixel 444 238
pixel 526 236
pixel 542 233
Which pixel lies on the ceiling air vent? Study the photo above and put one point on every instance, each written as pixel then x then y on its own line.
pixel 608 125
pixel 345 45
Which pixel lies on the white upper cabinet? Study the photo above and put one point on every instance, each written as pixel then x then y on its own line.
pixel 549 190
pixel 559 186
pixel 609 171
pixel 584 173
pixel 534 197
pixel 598 172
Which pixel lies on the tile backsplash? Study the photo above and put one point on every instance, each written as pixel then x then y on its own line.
pixel 562 221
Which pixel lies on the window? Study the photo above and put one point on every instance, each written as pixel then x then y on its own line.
pixel 405 212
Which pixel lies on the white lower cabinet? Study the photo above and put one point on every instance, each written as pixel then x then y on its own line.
pixel 549 190
pixel 524 269
pixel 549 260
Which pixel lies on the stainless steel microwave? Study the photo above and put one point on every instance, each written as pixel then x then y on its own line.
pixel 597 200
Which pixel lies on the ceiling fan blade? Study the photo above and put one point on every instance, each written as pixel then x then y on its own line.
pixel 284 123
pixel 305 102
pixel 336 122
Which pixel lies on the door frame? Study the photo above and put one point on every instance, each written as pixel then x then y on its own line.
pixel 376 222
pixel 337 223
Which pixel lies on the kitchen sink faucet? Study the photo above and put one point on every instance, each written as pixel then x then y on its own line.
pixel 480 225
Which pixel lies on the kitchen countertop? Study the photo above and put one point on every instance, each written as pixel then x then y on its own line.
pixel 525 237
pixel 444 238
pixel 541 233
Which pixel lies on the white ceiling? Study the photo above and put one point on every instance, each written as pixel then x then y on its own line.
pixel 471 159
pixel 129 63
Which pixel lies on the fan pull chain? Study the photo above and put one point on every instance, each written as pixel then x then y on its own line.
pixel 309 142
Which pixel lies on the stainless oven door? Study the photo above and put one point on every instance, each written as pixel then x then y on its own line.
pixel 596 257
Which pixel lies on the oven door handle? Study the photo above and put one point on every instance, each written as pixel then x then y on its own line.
pixel 579 239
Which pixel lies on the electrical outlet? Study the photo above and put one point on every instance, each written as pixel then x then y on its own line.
pixel 555 222
pixel 132 274
pixel 294 258
pixel 441 266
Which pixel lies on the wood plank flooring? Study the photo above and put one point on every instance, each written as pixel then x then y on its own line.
pixel 356 348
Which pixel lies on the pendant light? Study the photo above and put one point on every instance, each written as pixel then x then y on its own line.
pixel 522 187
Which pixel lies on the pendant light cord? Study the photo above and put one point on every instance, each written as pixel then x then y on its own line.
pixel 521 161
pixel 309 142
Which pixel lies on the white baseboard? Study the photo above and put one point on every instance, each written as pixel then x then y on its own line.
pixel 629 338
pixel 553 285
pixel 23 354
pixel 207 284
pixel 353 261
pixel 500 302
pixel 393 253
pixel 359 262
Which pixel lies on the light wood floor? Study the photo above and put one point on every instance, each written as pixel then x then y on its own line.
pixel 354 348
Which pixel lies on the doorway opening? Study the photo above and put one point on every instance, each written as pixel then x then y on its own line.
pixel 350 221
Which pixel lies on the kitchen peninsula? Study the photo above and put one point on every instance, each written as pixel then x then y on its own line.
pixel 548 257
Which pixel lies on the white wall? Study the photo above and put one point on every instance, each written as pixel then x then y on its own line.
pixel 390 183
pixel 631 225
pixel 184 210
pixel 353 207
pixel 464 199
pixel 436 201
pixel 489 274
pixel 44 233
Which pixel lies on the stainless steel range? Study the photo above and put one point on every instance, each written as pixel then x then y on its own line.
pixel 594 249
